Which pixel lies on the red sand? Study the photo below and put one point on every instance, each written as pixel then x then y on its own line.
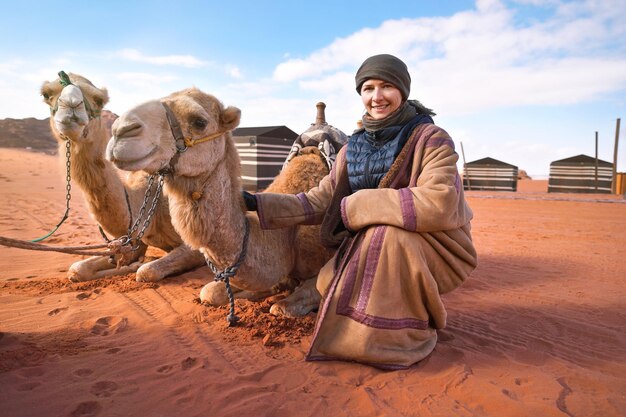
pixel 538 330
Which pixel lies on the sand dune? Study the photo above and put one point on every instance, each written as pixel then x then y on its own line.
pixel 538 330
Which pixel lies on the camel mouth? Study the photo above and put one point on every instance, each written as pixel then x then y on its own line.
pixel 73 131
pixel 127 155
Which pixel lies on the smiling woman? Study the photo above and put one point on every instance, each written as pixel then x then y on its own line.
pixel 393 209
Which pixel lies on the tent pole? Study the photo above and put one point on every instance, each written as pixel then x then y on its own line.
pixel 613 181
pixel 465 173
pixel 596 161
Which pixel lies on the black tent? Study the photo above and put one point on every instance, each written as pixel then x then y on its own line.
pixel 490 174
pixel 578 174
pixel 263 151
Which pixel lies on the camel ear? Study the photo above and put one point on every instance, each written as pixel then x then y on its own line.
pixel 104 96
pixel 100 96
pixel 230 118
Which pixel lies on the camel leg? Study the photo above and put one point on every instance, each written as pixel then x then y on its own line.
pixel 97 267
pixel 179 259
pixel 304 299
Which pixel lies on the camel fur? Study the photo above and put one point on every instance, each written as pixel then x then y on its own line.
pixel 105 188
pixel 204 191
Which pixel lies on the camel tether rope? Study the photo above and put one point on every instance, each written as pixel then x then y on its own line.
pixel 68 196
pixel 229 272
pixel 123 245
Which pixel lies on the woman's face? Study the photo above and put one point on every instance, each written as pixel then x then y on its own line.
pixel 380 98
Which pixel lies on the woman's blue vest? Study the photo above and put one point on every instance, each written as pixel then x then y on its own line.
pixel 370 154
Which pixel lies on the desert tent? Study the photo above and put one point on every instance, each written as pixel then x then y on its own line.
pixel 263 151
pixel 490 174
pixel 578 175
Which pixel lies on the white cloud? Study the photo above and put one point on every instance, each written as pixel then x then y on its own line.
pixel 187 61
pixel 480 59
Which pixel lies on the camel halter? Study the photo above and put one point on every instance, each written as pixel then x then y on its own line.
pixel 182 142
pixel 64 80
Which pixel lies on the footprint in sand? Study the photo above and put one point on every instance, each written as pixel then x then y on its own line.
pixel 188 363
pixel 83 372
pixel 105 326
pixel 183 394
pixel 103 389
pixel 57 311
pixel 28 386
pixel 33 372
pixel 87 409
pixel 521 381
pixel 165 369
pixel 91 295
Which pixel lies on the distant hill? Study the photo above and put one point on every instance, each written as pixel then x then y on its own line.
pixel 27 133
pixel 34 133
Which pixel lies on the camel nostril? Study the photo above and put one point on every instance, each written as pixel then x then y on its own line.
pixel 128 130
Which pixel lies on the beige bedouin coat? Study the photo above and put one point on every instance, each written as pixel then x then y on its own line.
pixel 408 242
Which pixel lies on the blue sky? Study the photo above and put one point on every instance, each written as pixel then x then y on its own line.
pixel 523 81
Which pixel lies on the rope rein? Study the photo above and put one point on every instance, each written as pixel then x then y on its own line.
pixel 227 273
pixel 77 250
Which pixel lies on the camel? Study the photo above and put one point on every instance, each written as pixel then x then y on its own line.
pixel 203 185
pixel 112 197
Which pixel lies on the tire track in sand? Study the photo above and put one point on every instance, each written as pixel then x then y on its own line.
pixel 156 305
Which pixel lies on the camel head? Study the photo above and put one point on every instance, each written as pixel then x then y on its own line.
pixel 185 133
pixel 73 102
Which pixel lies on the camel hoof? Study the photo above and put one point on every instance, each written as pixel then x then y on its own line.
pixel 286 309
pixel 146 273
pixel 74 276
pixel 214 294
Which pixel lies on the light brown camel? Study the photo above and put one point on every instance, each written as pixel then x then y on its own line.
pixel 204 189
pixel 75 109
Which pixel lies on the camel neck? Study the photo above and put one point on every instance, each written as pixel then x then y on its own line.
pixel 207 213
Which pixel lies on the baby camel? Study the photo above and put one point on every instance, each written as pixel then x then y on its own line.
pixel 203 184
pixel 112 197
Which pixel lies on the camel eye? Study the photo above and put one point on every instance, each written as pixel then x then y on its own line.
pixel 46 96
pixel 199 124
